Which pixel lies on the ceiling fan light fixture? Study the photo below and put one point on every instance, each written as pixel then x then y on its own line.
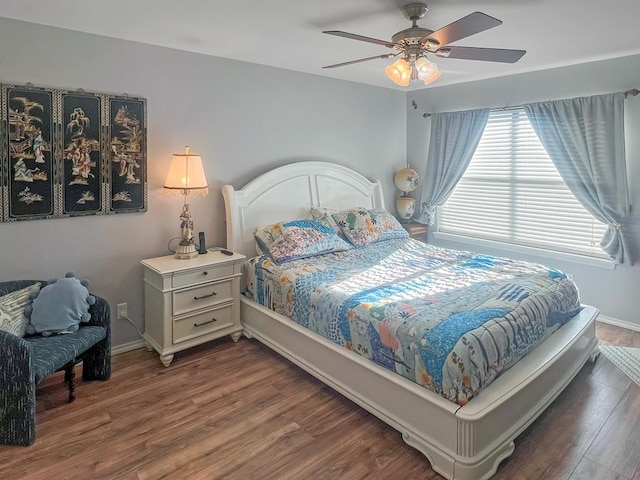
pixel 399 72
pixel 425 68
pixel 435 76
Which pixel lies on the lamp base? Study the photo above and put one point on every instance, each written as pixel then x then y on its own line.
pixel 406 207
pixel 186 251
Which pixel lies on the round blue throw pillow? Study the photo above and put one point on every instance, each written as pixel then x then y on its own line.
pixel 60 306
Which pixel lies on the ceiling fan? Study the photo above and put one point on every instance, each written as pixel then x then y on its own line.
pixel 415 43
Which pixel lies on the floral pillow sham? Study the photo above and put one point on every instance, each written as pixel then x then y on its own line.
pixel 362 226
pixel 325 216
pixel 298 239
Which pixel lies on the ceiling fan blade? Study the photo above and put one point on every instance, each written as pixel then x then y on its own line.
pixel 386 55
pixel 482 54
pixel 473 23
pixel 362 38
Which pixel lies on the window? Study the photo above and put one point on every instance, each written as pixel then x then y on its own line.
pixel 512 193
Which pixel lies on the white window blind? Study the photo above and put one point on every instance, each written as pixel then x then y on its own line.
pixel 512 193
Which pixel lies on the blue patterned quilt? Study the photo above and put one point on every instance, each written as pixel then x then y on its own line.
pixel 448 320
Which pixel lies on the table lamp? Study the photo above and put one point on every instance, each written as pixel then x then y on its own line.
pixel 186 177
pixel 406 181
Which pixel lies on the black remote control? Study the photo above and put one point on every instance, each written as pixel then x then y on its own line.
pixel 226 252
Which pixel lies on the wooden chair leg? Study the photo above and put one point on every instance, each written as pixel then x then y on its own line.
pixel 70 378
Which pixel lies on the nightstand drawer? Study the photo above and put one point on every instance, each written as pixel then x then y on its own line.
pixel 202 323
pixel 200 275
pixel 204 296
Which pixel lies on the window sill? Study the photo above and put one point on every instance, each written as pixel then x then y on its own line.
pixel 539 252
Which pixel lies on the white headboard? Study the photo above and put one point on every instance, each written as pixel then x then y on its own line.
pixel 288 192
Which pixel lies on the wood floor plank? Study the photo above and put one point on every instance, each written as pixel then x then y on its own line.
pixel 617 446
pixel 126 439
pixel 408 464
pixel 609 374
pixel 12 459
pixel 323 413
pixel 281 452
pixel 237 450
pixel 559 438
pixel 321 458
pixel 589 470
pixel 241 411
pixel 232 418
pixel 610 335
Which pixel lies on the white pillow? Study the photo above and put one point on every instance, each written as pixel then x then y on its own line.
pixel 12 317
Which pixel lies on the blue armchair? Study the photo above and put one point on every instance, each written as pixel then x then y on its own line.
pixel 24 362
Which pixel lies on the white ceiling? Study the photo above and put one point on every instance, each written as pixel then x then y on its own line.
pixel 288 33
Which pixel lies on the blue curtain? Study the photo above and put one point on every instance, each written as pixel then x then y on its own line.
pixel 454 139
pixel 585 139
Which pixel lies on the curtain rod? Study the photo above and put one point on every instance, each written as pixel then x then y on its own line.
pixel 633 92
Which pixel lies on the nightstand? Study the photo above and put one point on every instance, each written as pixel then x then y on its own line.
pixel 189 302
pixel 417 230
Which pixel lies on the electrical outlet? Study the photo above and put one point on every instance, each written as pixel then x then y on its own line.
pixel 122 310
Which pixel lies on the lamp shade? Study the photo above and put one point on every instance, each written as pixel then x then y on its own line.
pixel 186 174
pixel 425 68
pixel 433 77
pixel 399 72
pixel 406 180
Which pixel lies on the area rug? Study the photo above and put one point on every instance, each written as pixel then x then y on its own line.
pixel 626 359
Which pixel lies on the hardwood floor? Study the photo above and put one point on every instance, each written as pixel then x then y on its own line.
pixel 240 411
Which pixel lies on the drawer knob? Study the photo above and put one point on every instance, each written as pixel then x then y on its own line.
pixel 205 273
pixel 212 294
pixel 205 323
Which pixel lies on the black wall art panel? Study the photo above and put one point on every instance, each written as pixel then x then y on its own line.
pixel 128 173
pixel 29 157
pixel 82 162
pixel 70 153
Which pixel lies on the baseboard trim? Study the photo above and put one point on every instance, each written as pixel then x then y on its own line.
pixel 619 323
pixel 126 347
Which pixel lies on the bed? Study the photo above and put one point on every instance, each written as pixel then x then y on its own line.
pixel 461 442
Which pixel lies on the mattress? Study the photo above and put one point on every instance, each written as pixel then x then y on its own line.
pixel 448 320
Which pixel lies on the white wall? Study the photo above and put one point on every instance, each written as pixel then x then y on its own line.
pixel 243 119
pixel 614 292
